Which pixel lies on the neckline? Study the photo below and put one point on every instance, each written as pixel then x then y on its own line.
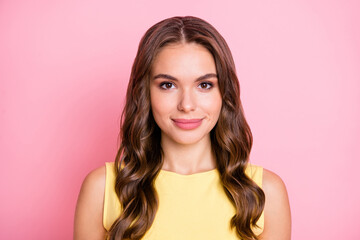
pixel 193 175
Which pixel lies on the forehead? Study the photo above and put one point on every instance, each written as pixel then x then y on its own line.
pixel 181 58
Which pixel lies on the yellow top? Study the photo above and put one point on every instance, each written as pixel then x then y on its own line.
pixel 190 206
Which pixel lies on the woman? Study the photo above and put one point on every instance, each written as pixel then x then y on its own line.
pixel 182 168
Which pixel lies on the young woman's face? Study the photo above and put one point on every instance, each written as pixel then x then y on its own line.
pixel 184 92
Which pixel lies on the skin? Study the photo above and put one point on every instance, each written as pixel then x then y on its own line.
pixel 89 208
pixel 177 92
pixel 277 208
pixel 184 85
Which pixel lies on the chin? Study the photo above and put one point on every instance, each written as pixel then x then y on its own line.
pixel 187 140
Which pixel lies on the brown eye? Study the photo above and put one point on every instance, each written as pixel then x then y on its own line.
pixel 205 85
pixel 166 85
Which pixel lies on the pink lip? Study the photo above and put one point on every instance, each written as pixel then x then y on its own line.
pixel 187 124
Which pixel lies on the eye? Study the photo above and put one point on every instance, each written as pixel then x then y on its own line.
pixel 166 85
pixel 205 85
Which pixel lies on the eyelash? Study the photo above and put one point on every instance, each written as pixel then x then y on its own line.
pixel 209 84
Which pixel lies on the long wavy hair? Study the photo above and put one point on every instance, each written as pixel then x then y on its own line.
pixel 140 157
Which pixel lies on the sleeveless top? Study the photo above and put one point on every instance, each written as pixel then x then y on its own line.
pixel 191 206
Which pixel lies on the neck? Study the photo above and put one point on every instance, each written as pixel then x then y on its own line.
pixel 188 159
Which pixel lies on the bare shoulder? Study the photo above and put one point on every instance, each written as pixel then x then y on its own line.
pixel 273 183
pixel 89 207
pixel 94 181
pixel 277 208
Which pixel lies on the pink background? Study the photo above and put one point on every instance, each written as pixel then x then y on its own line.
pixel 64 67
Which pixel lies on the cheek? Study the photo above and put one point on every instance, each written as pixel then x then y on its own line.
pixel 159 106
pixel 213 104
pixel 154 104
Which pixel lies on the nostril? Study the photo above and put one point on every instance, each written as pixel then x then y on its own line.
pixel 186 103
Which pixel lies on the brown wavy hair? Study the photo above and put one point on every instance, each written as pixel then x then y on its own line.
pixel 140 156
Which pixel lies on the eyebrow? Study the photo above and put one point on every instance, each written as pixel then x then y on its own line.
pixel 167 76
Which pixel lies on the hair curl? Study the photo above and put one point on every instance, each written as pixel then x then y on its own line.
pixel 139 157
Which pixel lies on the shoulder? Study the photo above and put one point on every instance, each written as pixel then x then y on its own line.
pixel 277 208
pixel 272 183
pixel 95 180
pixel 93 186
pixel 89 207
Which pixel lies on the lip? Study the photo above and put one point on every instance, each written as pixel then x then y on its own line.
pixel 187 124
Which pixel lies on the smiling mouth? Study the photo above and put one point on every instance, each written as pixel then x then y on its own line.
pixel 187 124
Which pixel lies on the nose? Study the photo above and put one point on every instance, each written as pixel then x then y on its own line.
pixel 187 101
